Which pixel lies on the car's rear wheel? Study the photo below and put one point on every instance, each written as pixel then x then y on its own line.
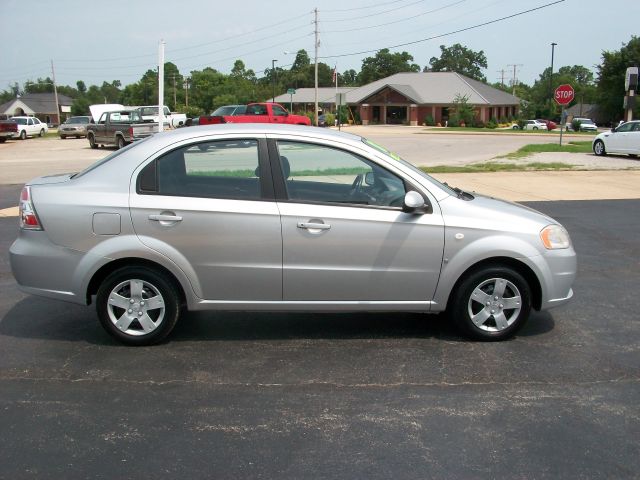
pixel 23 135
pixel 138 305
pixel 63 137
pixel 535 128
pixel 120 142
pixel 491 303
pixel 598 148
pixel 92 141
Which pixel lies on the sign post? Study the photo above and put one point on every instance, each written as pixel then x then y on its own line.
pixel 341 99
pixel 291 92
pixel 563 96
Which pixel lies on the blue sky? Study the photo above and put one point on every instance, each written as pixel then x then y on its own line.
pixel 119 39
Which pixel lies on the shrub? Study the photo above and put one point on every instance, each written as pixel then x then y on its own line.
pixel 453 121
pixel 429 121
pixel 492 123
pixel 575 125
pixel 521 124
pixel 477 123
pixel 330 119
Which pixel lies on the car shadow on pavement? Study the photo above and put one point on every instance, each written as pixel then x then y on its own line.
pixel 40 318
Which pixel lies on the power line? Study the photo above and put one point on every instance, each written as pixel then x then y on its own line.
pixel 448 33
pixel 360 17
pixel 368 7
pixel 396 21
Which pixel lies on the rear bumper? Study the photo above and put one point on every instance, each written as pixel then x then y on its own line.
pixel 43 268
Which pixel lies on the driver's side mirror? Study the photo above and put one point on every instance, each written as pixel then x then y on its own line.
pixel 414 203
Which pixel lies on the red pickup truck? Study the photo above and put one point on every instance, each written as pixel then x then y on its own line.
pixel 259 113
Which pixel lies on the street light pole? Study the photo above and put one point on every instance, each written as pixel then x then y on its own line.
pixel 273 77
pixel 553 47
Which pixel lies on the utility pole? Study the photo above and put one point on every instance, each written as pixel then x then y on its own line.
pixel 273 79
pixel 551 107
pixel 175 101
pixel 55 92
pixel 501 72
pixel 515 77
pixel 186 92
pixel 161 86
pixel 316 45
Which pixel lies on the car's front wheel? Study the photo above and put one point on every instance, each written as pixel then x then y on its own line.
pixel 138 305
pixel 42 132
pixel 598 148
pixel 491 303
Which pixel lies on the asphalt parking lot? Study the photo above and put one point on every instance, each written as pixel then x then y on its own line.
pixel 257 395
pixel 246 395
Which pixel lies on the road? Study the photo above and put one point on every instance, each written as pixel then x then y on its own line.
pixel 246 395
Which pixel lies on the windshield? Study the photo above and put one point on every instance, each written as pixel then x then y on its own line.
pixel 78 120
pixel 381 149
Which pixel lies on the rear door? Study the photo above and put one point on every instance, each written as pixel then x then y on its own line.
pixel 209 205
pixel 345 236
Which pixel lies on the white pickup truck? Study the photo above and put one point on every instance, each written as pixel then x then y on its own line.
pixel 171 120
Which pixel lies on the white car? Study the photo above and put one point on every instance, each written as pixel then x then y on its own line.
pixel 171 119
pixel 534 125
pixel 586 125
pixel 622 139
pixel 30 127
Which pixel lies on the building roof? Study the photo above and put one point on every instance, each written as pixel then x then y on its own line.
pixel 307 95
pixel 435 88
pixel 38 102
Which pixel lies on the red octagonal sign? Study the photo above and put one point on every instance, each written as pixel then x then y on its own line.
pixel 564 94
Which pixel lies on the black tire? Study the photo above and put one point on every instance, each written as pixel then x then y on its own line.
pixel 42 132
pixel 474 299
pixel 3 139
pixel 128 325
pixel 23 135
pixel 598 148
pixel 92 141
pixel 62 137
pixel 119 142
pixel 535 128
pixel 633 155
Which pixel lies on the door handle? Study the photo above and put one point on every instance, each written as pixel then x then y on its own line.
pixel 165 218
pixel 314 226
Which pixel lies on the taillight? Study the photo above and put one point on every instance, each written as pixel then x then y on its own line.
pixel 28 218
pixel 131 133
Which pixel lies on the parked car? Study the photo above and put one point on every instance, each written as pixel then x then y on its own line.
pixel 534 125
pixel 74 127
pixel 229 110
pixel 586 125
pixel 551 125
pixel 623 139
pixel 30 127
pixel 276 217
pixel 8 129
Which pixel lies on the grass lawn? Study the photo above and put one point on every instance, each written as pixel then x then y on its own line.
pixel 497 167
pixel 569 147
pixel 508 131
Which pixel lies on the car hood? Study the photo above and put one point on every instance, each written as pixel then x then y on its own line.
pixel 494 214
pixel 98 109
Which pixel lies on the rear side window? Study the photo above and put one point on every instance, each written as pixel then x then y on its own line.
pixel 220 169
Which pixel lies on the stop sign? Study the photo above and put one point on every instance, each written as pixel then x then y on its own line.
pixel 564 94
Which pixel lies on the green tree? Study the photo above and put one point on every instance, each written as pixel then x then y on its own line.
pixel 385 64
pixel 462 110
pixel 349 78
pixel 611 75
pixel 459 59
pixel 82 87
pixel 41 85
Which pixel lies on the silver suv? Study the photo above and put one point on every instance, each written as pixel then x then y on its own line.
pixel 269 217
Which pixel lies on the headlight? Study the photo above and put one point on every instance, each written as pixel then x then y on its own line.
pixel 554 237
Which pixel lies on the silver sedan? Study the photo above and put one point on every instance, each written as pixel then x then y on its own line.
pixel 268 217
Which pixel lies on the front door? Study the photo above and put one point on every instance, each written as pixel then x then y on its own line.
pixel 207 205
pixel 619 140
pixel 345 237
